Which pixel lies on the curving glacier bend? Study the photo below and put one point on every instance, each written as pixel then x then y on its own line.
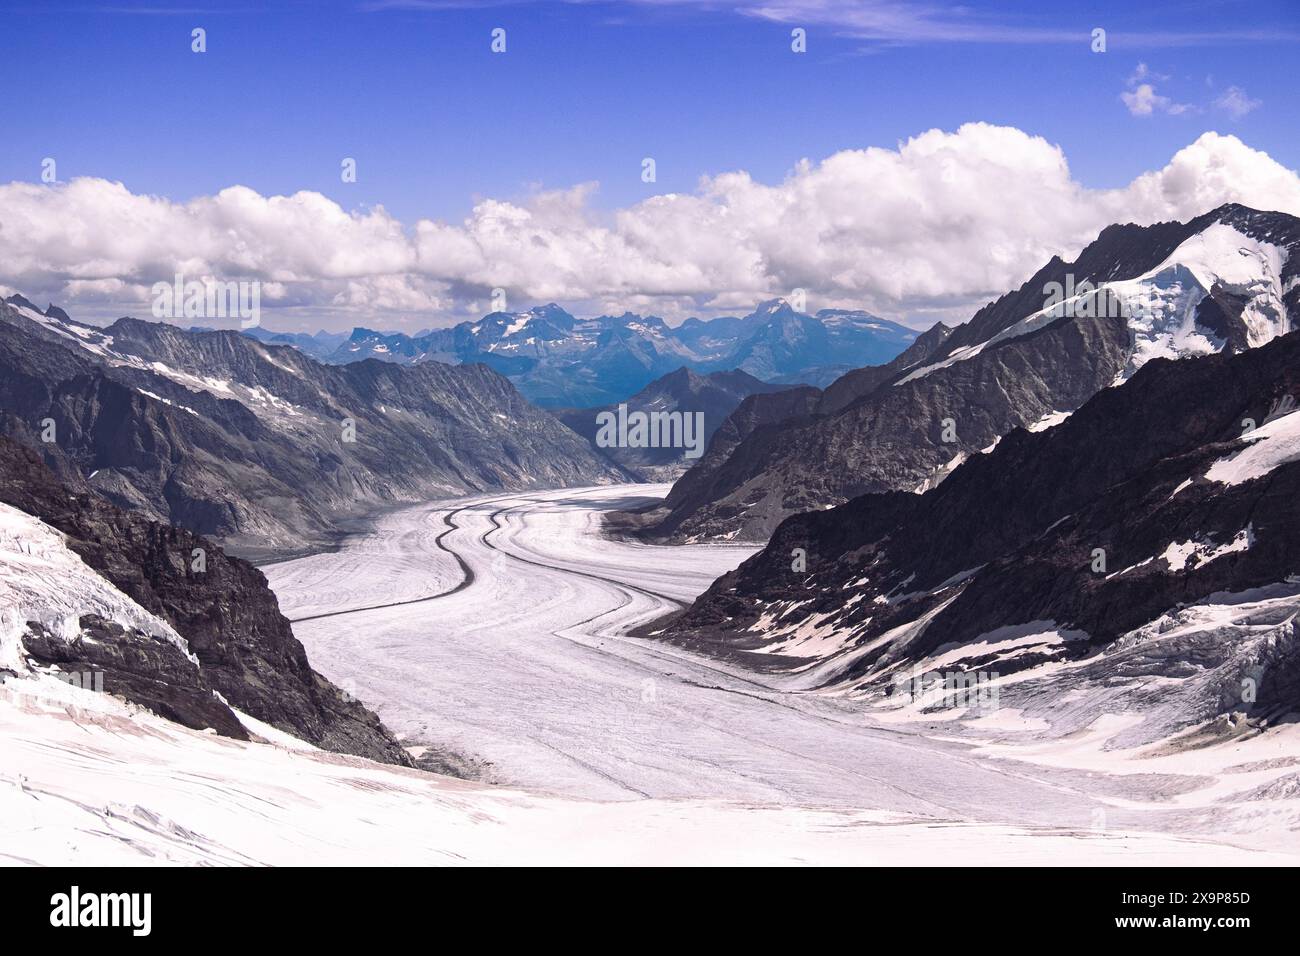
pixel 529 671
pixel 495 628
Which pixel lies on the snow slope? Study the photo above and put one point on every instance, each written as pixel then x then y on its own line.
pixel 705 764
pixel 86 781
pixel 1273 444
pixel 42 580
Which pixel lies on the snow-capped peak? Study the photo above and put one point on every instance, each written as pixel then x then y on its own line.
pixel 1162 304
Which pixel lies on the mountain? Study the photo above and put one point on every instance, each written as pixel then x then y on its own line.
pixel 1226 281
pixel 761 421
pixel 560 361
pixel 260 446
pixel 319 345
pixel 683 392
pixel 786 345
pixel 1141 556
pixel 164 617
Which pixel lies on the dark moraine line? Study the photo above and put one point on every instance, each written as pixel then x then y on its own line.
pixel 496 526
pixel 467 578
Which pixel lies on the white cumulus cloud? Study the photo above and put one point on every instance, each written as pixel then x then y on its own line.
pixel 1142 99
pixel 938 224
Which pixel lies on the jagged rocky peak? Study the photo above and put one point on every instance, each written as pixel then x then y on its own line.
pixel 555 315
pixel 1224 282
pixel 22 302
pixel 771 307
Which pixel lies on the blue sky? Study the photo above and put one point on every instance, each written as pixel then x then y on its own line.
pixel 586 90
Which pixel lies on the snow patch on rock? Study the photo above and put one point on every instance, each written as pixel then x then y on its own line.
pixel 43 580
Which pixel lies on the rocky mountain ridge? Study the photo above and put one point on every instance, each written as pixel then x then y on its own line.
pixel 1143 553
pixel 1226 281
pixel 262 447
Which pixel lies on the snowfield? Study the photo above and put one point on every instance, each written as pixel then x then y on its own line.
pixel 1272 445
pixel 86 782
pixel 495 627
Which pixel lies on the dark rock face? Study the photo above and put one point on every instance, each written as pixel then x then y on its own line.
pixel 715 396
pixel 260 446
pixel 896 435
pixel 221 605
pixel 879 428
pixel 1013 538
pixel 138 667
pixel 767 412
pixel 860 382
pixel 558 361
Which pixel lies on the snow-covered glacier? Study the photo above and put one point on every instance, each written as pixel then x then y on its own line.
pixel 652 753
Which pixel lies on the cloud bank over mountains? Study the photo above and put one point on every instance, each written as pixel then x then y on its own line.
pixel 944 221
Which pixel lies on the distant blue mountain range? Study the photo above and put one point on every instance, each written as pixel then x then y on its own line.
pixel 557 360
